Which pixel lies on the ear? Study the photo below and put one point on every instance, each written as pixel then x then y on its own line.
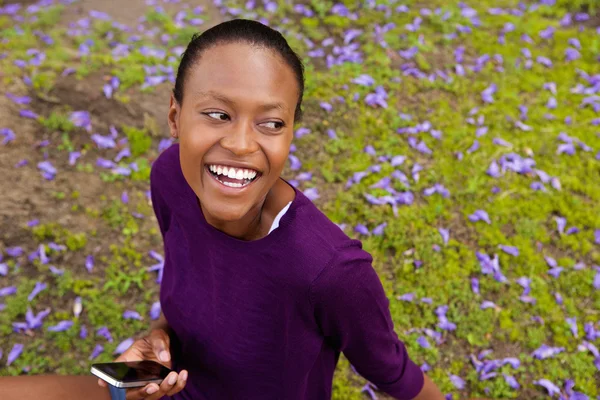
pixel 173 117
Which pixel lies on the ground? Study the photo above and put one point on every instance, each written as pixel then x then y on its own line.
pixel 488 244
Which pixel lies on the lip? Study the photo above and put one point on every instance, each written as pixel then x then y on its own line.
pixel 228 190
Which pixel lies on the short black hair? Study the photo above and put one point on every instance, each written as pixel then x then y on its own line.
pixel 240 31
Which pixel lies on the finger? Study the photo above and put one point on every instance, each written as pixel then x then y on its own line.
pixel 160 347
pixel 101 383
pixel 166 385
pixel 142 393
pixel 181 381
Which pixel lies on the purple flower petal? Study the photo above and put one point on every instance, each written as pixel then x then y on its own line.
pixel 28 114
pixel 14 353
pixel 96 352
pixel 365 80
pixel 457 381
pixel 164 144
pixel 446 325
pixel 488 304
pixel 104 142
pixel 512 250
pixel 514 362
pixel 56 271
pixel 89 263
pixel 311 193
pixel 123 346
pixel 561 223
pixel 77 306
pixel 475 285
pixel 104 332
pixel 81 119
pixel 301 132
pixel 397 160
pixel 9 135
pixel 326 106
pixel 423 342
pixel 83 332
pixel 39 286
pixel 61 326
pixel 363 230
pixel 555 272
pixel 19 99
pixel 47 169
pixel 572 230
pixel 406 297
pixel 73 156
pixel 130 314
pixel 104 163
pixel 572 322
pixel 378 230
pixel 295 163
pixel 550 387
pixel 155 310
pixel 445 233
pixel 480 215
pixel 7 291
pixel 511 381
pixel 546 352
pixel 35 321
pixel 551 262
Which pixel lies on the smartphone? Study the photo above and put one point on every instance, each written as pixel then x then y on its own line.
pixel 131 374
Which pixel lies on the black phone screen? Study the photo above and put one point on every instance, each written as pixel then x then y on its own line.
pixel 133 371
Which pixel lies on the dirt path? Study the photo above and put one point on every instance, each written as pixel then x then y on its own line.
pixel 28 195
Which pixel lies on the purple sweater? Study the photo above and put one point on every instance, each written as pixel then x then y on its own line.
pixel 267 319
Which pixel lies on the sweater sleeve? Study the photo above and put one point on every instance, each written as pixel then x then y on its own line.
pixel 161 210
pixel 352 311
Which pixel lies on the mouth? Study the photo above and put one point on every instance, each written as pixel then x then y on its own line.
pixel 237 178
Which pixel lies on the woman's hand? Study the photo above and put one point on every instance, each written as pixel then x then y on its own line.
pixel 154 347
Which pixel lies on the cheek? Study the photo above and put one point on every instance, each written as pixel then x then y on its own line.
pixel 277 154
pixel 196 142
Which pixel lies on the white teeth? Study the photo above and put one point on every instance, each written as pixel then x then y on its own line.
pixel 232 184
pixel 233 173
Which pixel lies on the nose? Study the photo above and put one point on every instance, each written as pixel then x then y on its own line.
pixel 240 140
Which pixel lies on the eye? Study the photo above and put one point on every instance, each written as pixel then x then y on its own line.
pixel 275 125
pixel 217 115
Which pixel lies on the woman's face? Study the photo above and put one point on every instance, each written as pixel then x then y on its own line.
pixel 235 127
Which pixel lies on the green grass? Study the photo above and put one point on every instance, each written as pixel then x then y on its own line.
pixel 520 216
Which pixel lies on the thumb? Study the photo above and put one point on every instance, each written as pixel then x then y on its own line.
pixel 160 347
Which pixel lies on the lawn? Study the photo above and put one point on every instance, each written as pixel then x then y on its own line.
pixel 460 141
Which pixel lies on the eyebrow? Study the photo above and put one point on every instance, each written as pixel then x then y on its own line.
pixel 224 99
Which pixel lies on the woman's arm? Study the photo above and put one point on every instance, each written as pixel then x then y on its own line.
pixel 352 312
pixel 160 323
pixel 430 391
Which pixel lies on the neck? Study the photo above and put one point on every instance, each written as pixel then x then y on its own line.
pixel 249 227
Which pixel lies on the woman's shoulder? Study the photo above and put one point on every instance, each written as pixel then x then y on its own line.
pixel 315 233
pixel 167 163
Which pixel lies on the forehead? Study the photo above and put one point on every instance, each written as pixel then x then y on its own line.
pixel 242 70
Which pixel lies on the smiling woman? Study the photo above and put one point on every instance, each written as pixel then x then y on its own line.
pixel 242 97
pixel 260 292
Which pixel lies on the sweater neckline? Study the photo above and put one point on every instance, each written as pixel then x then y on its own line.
pixel 266 241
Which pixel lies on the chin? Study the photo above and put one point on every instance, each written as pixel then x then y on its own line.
pixel 230 213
